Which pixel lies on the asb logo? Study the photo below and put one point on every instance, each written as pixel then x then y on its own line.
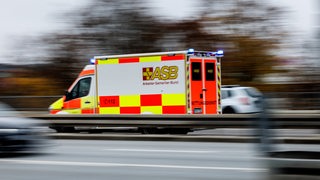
pixel 160 73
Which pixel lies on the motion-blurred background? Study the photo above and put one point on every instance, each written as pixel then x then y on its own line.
pixel 267 44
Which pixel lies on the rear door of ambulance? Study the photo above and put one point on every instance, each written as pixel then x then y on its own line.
pixel 203 85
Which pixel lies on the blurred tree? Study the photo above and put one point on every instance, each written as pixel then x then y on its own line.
pixel 105 27
pixel 245 29
pixel 253 31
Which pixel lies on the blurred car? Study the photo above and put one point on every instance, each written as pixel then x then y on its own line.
pixel 240 99
pixel 19 134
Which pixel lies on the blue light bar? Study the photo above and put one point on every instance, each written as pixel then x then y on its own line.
pixel 190 51
pixel 92 61
pixel 220 52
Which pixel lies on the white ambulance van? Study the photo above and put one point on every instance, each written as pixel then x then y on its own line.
pixel 176 82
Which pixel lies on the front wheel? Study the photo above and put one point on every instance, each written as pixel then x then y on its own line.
pixel 149 130
pixel 228 110
pixel 179 131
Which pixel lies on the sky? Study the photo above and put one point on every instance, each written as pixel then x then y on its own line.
pixel 20 18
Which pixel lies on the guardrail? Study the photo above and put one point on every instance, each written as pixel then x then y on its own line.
pixel 298 121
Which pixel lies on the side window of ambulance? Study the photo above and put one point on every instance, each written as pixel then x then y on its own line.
pixel 196 71
pixel 81 89
pixel 210 74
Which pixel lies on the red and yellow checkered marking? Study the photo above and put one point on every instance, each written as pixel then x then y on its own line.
pixel 143 104
pixel 141 59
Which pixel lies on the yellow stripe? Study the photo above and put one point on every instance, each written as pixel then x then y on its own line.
pixel 188 87
pixel 151 109
pixel 150 59
pixel 109 110
pixel 57 104
pixel 129 100
pixel 73 111
pixel 219 86
pixel 109 61
pixel 173 99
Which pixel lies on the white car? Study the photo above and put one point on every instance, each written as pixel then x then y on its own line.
pixel 240 99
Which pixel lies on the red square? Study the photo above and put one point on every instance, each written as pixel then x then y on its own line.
pixel 109 101
pixel 151 100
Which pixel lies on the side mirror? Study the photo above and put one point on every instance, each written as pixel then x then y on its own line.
pixel 68 95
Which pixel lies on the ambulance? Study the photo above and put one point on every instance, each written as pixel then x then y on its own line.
pixel 175 82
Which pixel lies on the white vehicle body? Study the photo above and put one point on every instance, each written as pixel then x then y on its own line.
pixel 239 99
pixel 175 82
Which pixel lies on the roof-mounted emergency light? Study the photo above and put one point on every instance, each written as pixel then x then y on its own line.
pixel 219 53
pixel 92 61
pixel 190 51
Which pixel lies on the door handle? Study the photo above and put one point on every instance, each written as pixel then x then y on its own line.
pixel 87 102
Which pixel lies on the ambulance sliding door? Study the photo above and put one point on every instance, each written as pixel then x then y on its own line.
pixel 203 85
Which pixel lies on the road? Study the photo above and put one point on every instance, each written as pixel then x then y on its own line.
pixel 80 159
pixel 136 160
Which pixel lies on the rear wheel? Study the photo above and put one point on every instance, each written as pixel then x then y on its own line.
pixel 149 130
pixel 179 131
pixel 228 110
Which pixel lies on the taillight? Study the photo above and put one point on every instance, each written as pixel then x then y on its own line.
pixel 244 101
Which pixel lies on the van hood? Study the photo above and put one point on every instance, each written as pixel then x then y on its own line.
pixel 56 106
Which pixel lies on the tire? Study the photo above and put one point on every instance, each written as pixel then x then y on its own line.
pixel 181 131
pixel 148 130
pixel 228 110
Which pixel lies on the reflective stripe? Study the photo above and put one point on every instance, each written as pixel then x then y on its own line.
pixel 72 111
pixel 57 105
pixel 130 110
pixel 108 61
pixel 130 100
pixel 219 85
pixel 87 111
pixel 151 109
pixel 150 59
pixel 129 60
pixel 141 104
pixel 175 57
pixel 109 110
pixel 173 99
pixel 141 59
pixel 188 87
pixel 109 101
pixel 151 100
pixel 72 104
pixel 174 109
pixel 54 111
pixel 86 72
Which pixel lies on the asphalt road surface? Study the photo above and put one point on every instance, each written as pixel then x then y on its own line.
pixel 136 160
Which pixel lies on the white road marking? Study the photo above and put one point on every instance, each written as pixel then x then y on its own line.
pixel 161 150
pixel 99 164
